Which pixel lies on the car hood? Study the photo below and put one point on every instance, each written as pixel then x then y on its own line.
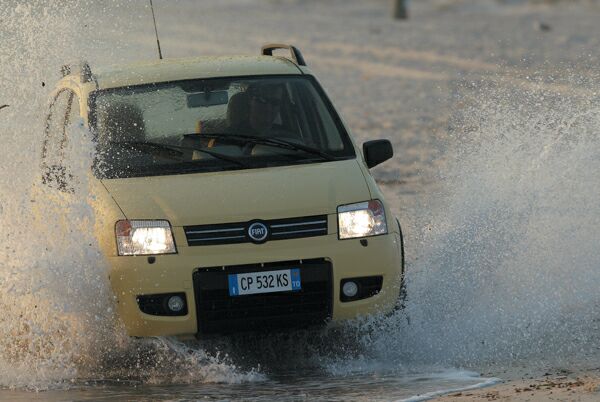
pixel 241 195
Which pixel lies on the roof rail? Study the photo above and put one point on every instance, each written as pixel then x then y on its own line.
pixel 85 72
pixel 267 50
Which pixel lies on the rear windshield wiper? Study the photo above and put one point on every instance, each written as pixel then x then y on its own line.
pixel 175 150
pixel 275 142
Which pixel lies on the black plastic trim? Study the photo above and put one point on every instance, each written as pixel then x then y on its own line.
pixel 377 151
pixel 156 304
pixel 368 286
pixel 267 50
pixel 217 312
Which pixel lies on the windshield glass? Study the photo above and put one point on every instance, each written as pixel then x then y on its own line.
pixel 213 125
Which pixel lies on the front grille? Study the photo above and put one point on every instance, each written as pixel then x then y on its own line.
pixel 278 229
pixel 219 312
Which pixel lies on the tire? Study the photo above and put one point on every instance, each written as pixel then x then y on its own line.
pixel 400 304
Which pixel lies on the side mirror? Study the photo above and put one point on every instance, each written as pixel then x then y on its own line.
pixel 377 151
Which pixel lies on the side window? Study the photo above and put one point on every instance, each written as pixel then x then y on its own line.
pixel 310 121
pixel 63 111
pixel 329 129
pixel 323 127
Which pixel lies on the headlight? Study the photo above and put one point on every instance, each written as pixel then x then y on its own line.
pixel 144 237
pixel 361 220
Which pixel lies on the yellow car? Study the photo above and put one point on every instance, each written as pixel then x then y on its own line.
pixel 229 195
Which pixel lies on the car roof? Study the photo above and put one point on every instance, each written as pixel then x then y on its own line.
pixel 192 68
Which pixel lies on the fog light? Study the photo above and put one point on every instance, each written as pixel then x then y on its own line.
pixel 175 303
pixel 350 289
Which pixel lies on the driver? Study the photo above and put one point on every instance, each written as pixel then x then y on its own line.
pixel 264 104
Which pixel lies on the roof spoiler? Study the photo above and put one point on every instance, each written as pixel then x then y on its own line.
pixel 267 50
pixel 85 72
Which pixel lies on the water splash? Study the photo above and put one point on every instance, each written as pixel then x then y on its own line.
pixel 507 265
pixel 58 325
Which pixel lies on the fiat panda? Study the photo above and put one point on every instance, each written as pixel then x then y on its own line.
pixel 228 195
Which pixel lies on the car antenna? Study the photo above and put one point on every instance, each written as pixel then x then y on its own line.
pixel 156 31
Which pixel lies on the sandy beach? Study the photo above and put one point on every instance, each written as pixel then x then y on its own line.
pixel 583 386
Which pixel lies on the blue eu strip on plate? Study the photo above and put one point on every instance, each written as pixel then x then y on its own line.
pixel 233 285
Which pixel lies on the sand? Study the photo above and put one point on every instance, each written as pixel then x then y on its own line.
pixel 573 387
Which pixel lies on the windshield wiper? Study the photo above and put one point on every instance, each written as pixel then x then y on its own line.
pixel 151 146
pixel 177 148
pixel 275 142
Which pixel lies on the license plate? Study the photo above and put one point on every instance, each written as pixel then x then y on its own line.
pixel 264 282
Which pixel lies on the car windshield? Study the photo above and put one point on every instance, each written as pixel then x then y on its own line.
pixel 214 125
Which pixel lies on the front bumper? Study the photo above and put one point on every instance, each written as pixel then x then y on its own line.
pixel 134 276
